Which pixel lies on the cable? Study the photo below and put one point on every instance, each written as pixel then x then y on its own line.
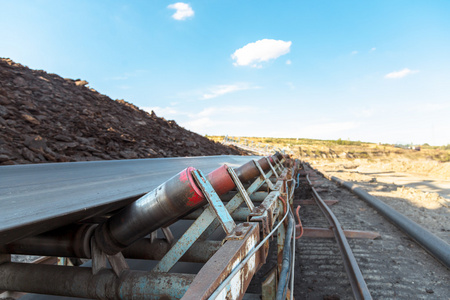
pixel 284 202
pixel 298 180
pixel 293 266
pixel 283 281
pixel 299 225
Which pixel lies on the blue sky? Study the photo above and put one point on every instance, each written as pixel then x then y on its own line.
pixel 374 71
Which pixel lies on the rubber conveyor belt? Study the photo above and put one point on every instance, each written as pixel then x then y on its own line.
pixel 41 197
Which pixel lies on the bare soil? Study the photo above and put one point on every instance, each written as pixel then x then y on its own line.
pixel 47 118
pixel 423 199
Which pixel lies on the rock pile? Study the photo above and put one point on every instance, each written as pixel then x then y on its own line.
pixel 47 118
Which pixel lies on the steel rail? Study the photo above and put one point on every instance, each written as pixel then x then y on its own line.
pixel 357 282
pixel 437 247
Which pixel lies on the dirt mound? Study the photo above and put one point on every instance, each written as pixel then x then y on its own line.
pixel 47 118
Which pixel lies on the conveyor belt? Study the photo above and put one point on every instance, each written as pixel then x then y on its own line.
pixel 38 198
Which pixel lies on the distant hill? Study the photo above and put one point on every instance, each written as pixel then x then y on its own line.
pixel 47 118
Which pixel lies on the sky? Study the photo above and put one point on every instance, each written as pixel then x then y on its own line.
pixel 374 71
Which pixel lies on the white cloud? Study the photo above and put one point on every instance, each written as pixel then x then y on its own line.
pixel 400 74
pixel 263 50
pixel 288 62
pixel 354 52
pixel 183 11
pixel 373 49
pixel 220 90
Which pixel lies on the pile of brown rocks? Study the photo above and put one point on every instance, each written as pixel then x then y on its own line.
pixel 47 118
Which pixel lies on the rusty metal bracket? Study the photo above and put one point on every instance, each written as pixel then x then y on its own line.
pixel 228 273
pixel 269 285
pixel 273 169
pixel 240 232
pixel 99 258
pixel 168 234
pixel 217 205
pixel 153 236
pixel 266 178
pixel 204 225
pixel 266 214
pixel 241 189
pixel 235 202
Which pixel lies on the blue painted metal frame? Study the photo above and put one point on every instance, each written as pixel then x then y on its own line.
pixel 204 226
pixel 236 201
pixel 215 203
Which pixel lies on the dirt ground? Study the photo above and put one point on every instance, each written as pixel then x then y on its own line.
pixel 424 199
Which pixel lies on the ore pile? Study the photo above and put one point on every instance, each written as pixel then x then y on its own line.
pixel 47 118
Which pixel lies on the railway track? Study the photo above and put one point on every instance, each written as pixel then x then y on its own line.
pixel 204 253
pixel 392 265
pixel 147 233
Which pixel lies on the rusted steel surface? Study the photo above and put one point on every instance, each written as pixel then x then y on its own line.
pixel 328 233
pixel 68 241
pixel 166 203
pixel 221 265
pixel 120 234
pixel 80 282
pixel 169 201
pixel 199 252
pixel 45 260
pixel 241 190
pixel 311 202
pixel 235 203
pixel 215 203
pixel 357 282
pixel 269 286
pixel 240 214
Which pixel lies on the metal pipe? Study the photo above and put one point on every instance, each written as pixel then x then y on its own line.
pixel 165 204
pixel 255 197
pixel 199 252
pixel 283 282
pixel 169 201
pixel 437 247
pixel 55 244
pixel 248 171
pixel 80 282
pixel 68 241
